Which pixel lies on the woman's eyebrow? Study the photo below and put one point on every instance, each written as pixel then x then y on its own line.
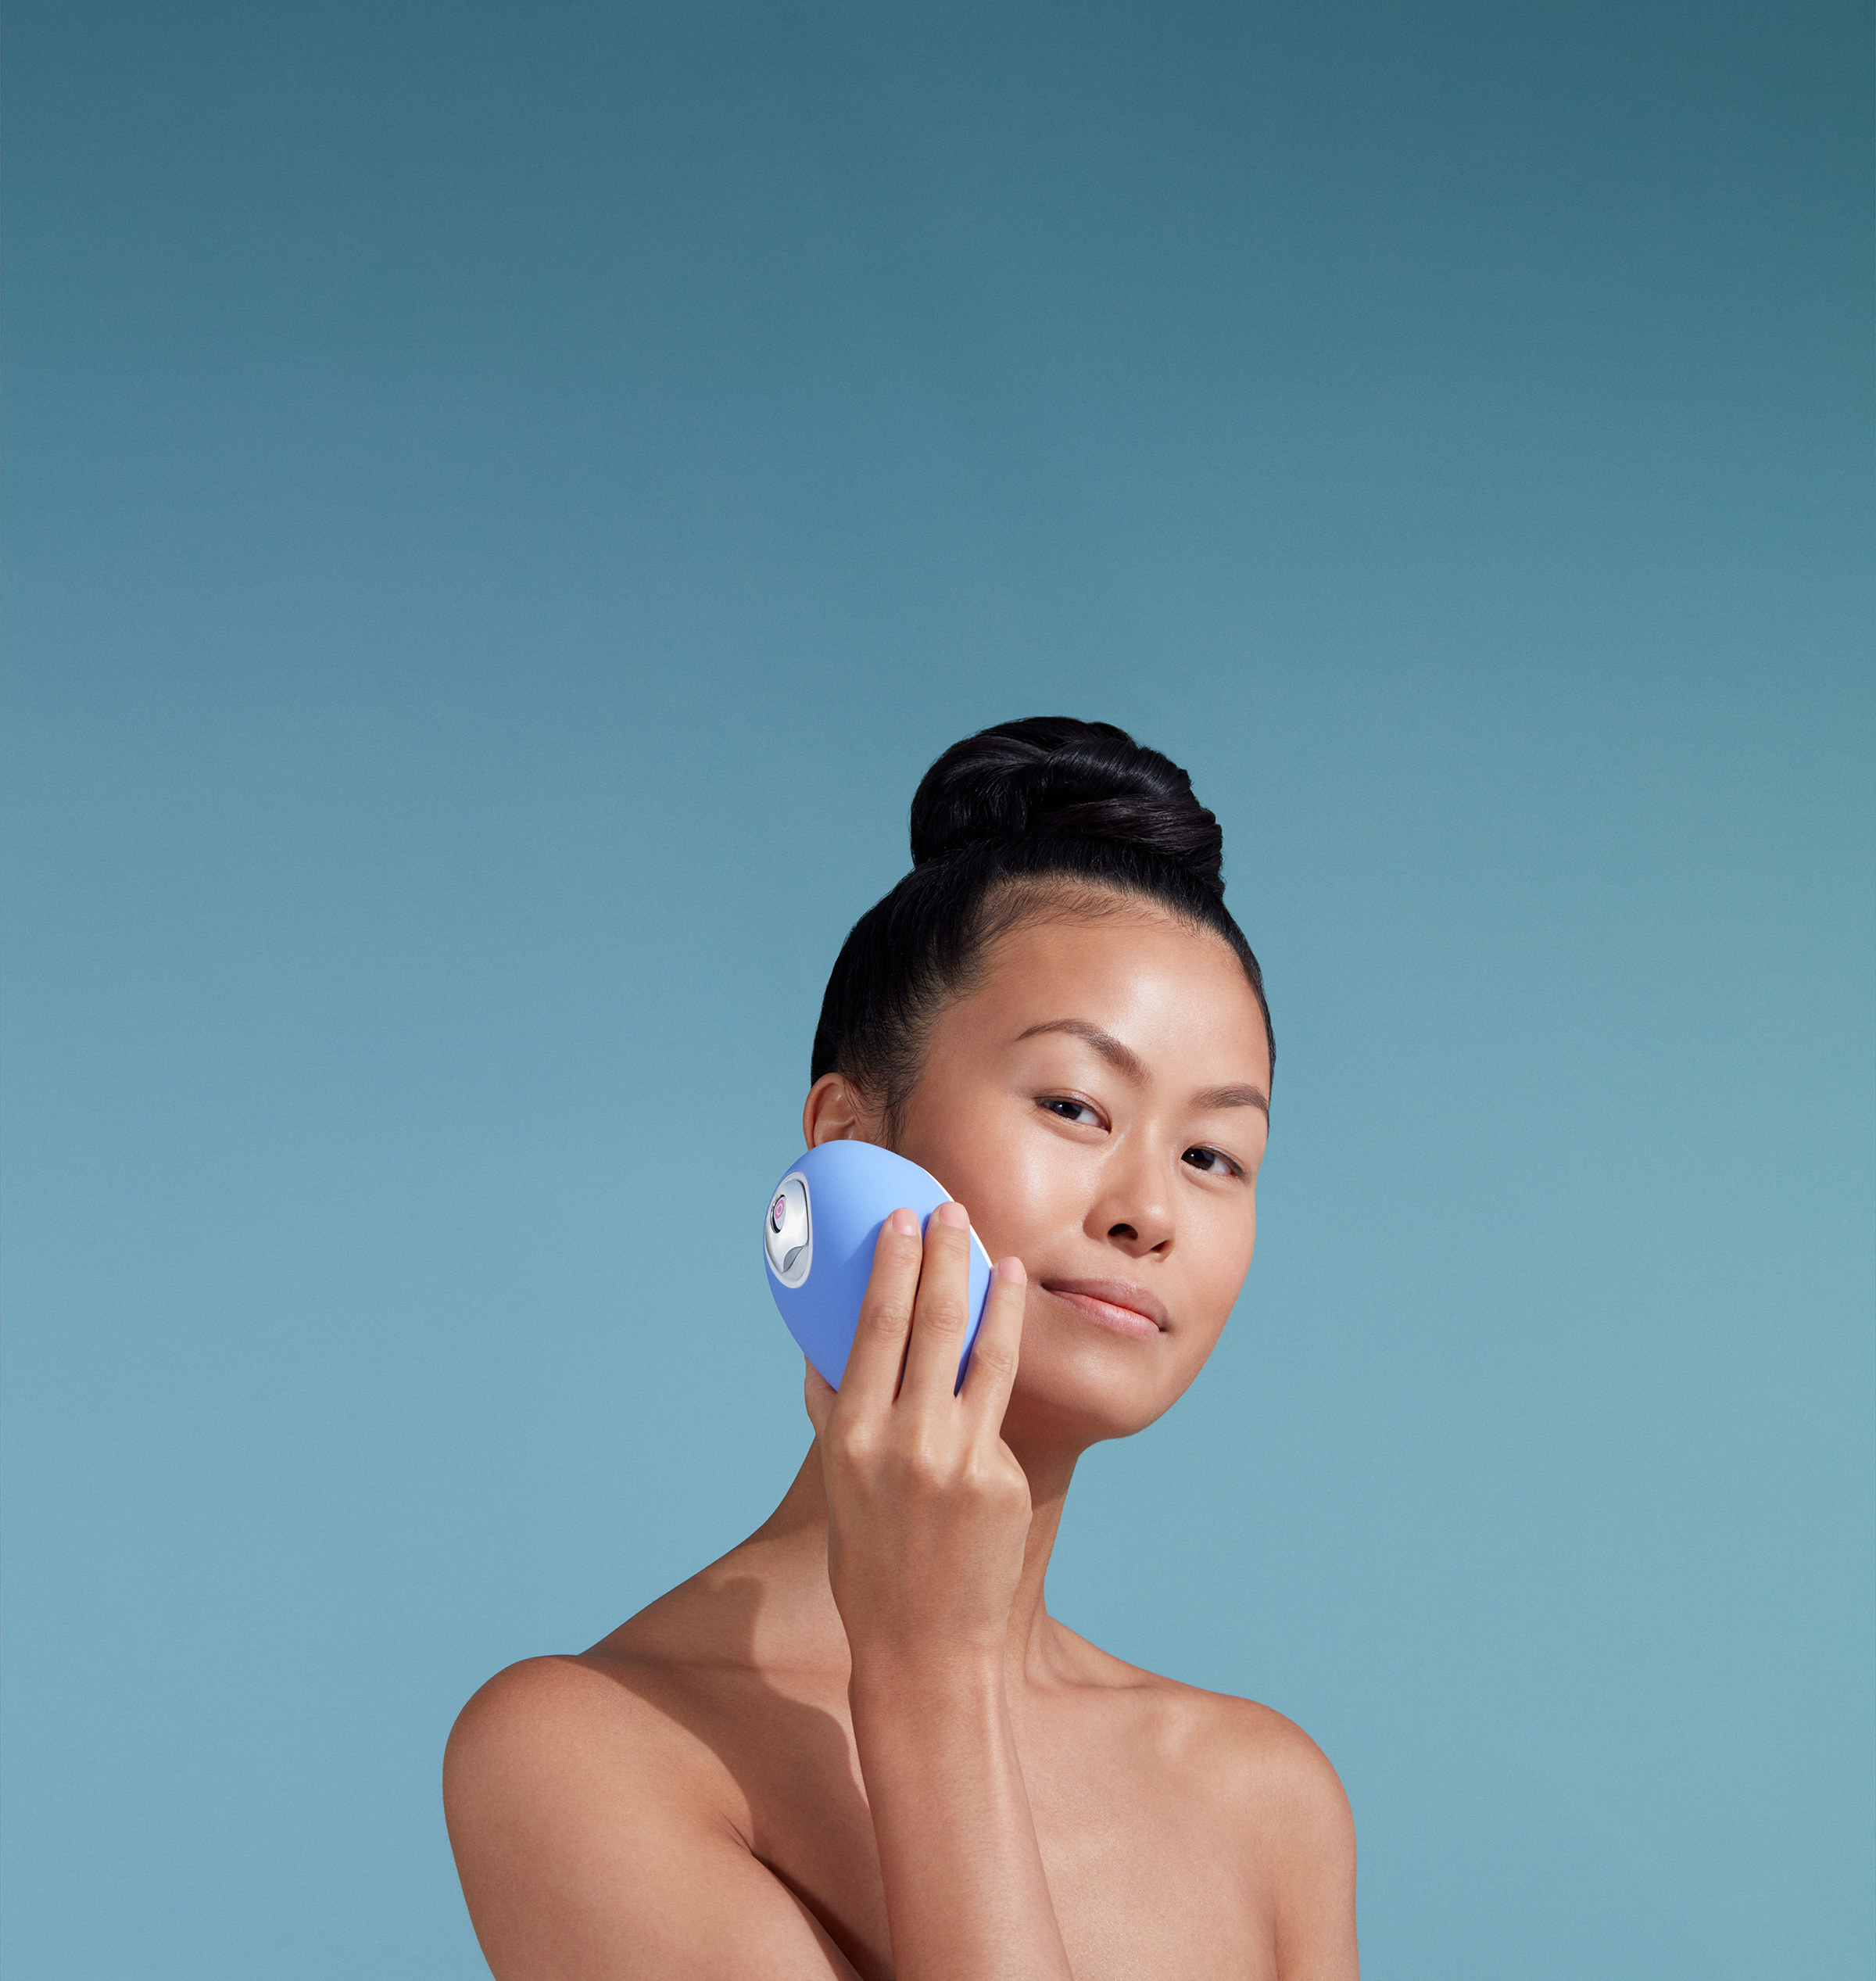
pixel 1126 1061
pixel 1232 1097
pixel 1123 1059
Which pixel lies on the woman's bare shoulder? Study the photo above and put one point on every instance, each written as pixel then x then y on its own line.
pixel 1267 1784
pixel 641 1715
pixel 596 1830
pixel 1266 1788
pixel 543 1701
pixel 1246 1757
pixel 575 1731
pixel 621 1708
pixel 1267 1755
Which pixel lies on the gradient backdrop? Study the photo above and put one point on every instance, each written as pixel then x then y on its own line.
pixel 505 501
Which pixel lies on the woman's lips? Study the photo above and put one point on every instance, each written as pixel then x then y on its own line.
pixel 1112 1303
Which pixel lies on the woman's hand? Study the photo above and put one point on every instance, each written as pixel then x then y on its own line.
pixel 928 1510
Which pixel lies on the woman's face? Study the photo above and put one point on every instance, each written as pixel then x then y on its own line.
pixel 1099 1104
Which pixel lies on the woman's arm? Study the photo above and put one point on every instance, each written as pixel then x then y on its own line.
pixel 593 1835
pixel 1313 1852
pixel 927 1512
pixel 1303 1836
pixel 593 1845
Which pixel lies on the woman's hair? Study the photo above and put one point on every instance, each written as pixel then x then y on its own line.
pixel 1049 814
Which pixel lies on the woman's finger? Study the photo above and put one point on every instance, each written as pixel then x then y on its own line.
pixel 871 1375
pixel 998 1346
pixel 818 1394
pixel 941 1318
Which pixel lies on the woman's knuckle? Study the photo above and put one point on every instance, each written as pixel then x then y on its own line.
pixel 882 1317
pixel 997 1357
pixel 942 1317
pixel 930 1467
pixel 993 1480
pixel 853 1444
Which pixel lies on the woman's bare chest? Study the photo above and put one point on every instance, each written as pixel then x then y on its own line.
pixel 1147 1877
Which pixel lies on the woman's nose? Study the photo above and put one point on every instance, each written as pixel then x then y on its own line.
pixel 1135 1216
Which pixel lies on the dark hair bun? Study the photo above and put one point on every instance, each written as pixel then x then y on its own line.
pixel 1051 777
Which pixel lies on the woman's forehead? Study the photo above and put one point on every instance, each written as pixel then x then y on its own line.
pixel 1160 987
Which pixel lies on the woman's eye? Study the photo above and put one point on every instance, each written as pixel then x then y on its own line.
pixel 1210 1161
pixel 1075 1111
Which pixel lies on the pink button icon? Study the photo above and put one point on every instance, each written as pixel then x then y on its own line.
pixel 777 1211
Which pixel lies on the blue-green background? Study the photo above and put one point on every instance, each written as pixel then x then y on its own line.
pixel 503 504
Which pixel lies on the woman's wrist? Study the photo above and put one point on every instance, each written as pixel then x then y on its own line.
pixel 885 1676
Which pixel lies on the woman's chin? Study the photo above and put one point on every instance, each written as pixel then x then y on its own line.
pixel 1083 1399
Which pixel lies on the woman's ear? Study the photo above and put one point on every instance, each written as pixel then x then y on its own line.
pixel 834 1112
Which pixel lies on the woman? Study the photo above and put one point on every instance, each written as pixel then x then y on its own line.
pixel 859 1744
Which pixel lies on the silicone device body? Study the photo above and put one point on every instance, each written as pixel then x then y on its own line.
pixel 819 1233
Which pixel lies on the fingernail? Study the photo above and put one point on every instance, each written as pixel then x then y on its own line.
pixel 904 1223
pixel 1011 1268
pixel 954 1215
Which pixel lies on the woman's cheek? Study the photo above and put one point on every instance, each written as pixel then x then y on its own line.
pixel 1007 1199
pixel 987 1168
pixel 1232 1246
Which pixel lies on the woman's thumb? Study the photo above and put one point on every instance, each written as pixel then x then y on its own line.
pixel 818 1393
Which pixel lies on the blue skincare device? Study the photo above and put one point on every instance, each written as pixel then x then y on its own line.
pixel 818 1233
